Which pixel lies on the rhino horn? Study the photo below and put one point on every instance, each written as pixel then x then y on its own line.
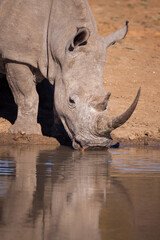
pixel 116 36
pixel 105 124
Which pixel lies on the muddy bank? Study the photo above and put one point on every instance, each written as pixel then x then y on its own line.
pixel 21 138
pixel 145 141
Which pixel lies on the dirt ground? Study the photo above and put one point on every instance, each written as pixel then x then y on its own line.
pixel 132 63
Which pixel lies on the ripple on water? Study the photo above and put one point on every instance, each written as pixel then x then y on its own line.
pixel 7 167
pixel 136 160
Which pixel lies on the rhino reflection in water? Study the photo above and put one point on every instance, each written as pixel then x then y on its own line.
pixel 58 40
pixel 63 200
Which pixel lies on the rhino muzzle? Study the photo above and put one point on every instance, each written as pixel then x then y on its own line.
pixel 93 143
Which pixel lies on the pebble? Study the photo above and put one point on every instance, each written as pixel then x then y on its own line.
pixel 132 137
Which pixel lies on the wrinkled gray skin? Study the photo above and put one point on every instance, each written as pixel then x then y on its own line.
pixel 58 40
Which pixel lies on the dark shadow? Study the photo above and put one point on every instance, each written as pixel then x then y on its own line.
pixel 8 108
pixel 50 123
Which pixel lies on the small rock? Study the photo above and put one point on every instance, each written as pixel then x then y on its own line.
pixel 132 137
pixel 22 133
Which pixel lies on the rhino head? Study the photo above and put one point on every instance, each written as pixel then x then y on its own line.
pixel 80 99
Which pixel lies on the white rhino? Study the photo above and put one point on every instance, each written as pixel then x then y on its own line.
pixel 58 40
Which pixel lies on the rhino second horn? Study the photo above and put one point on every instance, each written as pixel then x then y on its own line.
pixel 103 104
pixel 105 124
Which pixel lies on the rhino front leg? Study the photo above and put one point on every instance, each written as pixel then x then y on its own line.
pixel 22 83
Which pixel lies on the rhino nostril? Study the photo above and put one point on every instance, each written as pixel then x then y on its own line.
pixel 71 100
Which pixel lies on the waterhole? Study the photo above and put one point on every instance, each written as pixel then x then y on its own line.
pixel 62 194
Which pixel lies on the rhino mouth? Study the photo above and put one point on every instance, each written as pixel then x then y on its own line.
pixel 93 143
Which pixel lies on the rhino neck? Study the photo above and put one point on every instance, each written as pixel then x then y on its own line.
pixel 65 18
pixel 45 62
pixel 71 12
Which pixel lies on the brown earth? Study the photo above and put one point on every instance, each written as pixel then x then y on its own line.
pixel 132 63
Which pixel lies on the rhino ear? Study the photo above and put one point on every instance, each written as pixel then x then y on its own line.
pixel 116 36
pixel 79 39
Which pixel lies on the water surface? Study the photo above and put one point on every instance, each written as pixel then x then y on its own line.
pixel 62 194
